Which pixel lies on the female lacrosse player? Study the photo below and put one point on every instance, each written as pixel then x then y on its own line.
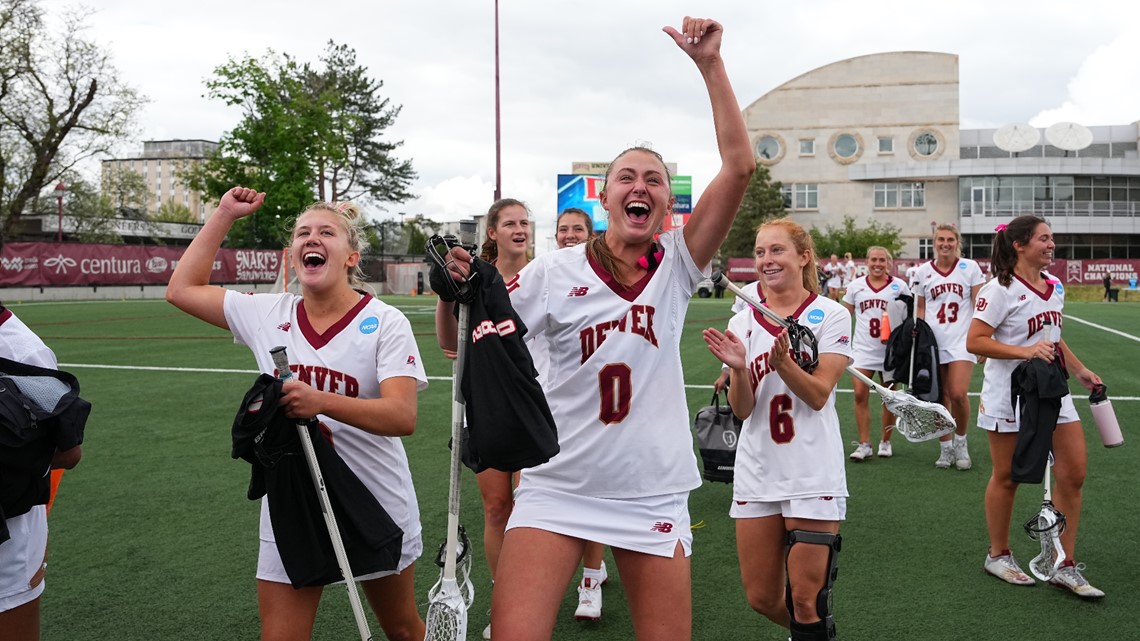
pixel 834 271
pixel 789 492
pixel 23 549
pixel 948 286
pixel 867 299
pixel 366 400
pixel 1012 312
pixel 612 310
pixel 573 226
pixel 848 270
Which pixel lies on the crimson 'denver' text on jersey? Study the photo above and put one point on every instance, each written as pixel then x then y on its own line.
pixel 787 450
pixel 614 382
pixel 638 320
pixel 371 343
pixel 1018 314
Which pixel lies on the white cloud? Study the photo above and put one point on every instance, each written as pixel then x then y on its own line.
pixel 1106 88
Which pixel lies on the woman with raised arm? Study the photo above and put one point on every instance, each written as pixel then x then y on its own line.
pixel 789 491
pixel 867 300
pixel 365 402
pixel 612 310
pixel 947 286
pixel 1014 315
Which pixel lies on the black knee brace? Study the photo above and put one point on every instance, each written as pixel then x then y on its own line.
pixel 824 630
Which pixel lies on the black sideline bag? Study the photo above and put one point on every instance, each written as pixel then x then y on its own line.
pixel 718 430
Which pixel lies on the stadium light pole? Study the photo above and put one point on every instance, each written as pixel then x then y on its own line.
pixel 498 145
pixel 59 190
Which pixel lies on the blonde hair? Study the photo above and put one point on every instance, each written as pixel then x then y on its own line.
pixel 351 216
pixel 957 235
pixel 890 258
pixel 803 243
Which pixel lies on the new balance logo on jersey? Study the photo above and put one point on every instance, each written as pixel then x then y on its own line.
pixel 662 526
pixel 1021 298
pixel 284 326
pixel 638 320
pixel 578 291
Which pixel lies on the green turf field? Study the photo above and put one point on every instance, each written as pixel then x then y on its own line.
pixel 152 537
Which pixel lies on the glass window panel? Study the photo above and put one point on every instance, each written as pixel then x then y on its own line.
pixel 886 145
pixel 807 147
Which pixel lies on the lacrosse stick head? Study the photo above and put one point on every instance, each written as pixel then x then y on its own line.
pixel 805 347
pixel 918 421
pixel 462 566
pixel 447 613
pixel 1046 527
pixel 438 250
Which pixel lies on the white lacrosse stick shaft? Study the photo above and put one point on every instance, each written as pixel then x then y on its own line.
pixel 281 362
pixel 458 408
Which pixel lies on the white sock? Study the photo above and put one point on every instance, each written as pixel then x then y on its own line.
pixel 592 574
pixel 946 444
pixel 959 439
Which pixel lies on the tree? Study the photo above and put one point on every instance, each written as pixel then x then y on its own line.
pixel 848 238
pixel 60 102
pixel 90 214
pixel 172 212
pixel 127 191
pixel 762 201
pixel 307 133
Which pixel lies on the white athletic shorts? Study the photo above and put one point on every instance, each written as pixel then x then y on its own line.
pixel 1007 425
pixel 22 559
pixel 819 508
pixel 270 568
pixel 955 354
pixel 650 525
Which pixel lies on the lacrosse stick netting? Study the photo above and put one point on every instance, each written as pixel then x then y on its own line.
pixel 1046 527
pixel 447 607
pixel 917 420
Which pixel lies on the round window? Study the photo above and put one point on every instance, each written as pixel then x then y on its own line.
pixel 768 148
pixel 926 144
pixel 846 146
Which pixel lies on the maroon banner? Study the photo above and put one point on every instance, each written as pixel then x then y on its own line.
pixel 1122 271
pixel 71 264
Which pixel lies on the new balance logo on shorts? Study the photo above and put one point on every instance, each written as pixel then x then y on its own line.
pixel 662 526
pixel 411 359
pixel 578 291
pixel 284 326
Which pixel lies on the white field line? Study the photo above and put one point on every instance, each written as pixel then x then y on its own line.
pixel 1102 327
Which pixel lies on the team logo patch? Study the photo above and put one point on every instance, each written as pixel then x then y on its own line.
pixel 284 326
pixel 729 438
pixel 369 325
pixel 981 305
pixel 411 360
pixel 664 527
pixel 894 287
pixel 1060 288
pixel 815 316
pixel 578 291
pixel 961 264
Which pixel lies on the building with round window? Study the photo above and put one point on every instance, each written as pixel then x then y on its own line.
pixel 877 137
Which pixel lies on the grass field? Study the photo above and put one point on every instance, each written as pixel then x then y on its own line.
pixel 152 537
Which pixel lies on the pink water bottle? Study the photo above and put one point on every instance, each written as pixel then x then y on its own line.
pixel 1105 417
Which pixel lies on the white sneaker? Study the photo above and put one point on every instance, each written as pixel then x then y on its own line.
pixel 1006 568
pixel 961 455
pixel 885 449
pixel 487 633
pixel 862 451
pixel 1070 578
pixel 945 458
pixel 589 601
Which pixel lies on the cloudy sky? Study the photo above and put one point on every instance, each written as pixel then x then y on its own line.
pixel 584 79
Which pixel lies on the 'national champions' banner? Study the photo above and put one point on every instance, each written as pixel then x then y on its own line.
pixel 71 264
pixel 584 192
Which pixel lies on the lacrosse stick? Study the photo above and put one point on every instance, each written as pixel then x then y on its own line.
pixel 281 362
pixel 447 607
pixel 1046 526
pixel 917 420
pixel 913 334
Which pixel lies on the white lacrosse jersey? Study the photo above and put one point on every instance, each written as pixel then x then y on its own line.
pixel 848 272
pixel 870 348
pixel 753 290
pixel 949 306
pixel 1018 314
pixel 20 344
pixel 373 342
pixel 834 275
pixel 911 274
pixel 787 450
pixel 614 381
